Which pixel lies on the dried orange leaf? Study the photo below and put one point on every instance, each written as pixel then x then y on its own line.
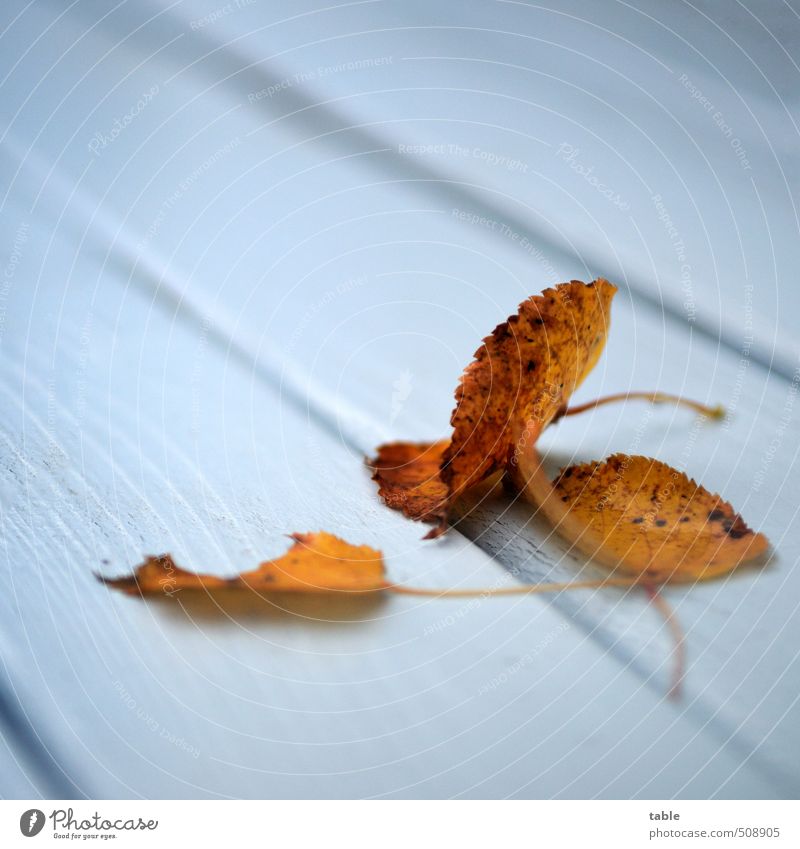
pixel 317 562
pixel 525 371
pixel 408 478
pixel 643 518
pixel 523 374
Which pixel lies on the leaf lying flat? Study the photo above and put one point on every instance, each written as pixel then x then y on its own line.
pixel 643 518
pixel 524 372
pixel 317 562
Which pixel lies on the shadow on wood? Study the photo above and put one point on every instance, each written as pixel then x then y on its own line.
pixel 315 610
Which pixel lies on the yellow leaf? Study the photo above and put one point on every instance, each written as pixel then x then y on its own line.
pixel 642 518
pixel 316 563
pixel 524 372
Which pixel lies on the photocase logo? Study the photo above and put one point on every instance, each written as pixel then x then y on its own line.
pixel 63 820
pixel 31 822
pixel 401 390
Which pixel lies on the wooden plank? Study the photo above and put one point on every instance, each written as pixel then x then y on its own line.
pixel 670 171
pixel 15 781
pixel 28 768
pixel 623 145
pixel 743 674
pixel 278 273
pixel 126 430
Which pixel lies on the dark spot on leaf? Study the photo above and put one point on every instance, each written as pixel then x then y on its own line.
pixel 638 520
pixel 736 528
pixel 661 522
pixel 716 516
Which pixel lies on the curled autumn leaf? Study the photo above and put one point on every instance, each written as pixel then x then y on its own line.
pixel 524 372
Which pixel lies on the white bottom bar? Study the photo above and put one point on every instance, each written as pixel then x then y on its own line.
pixel 403 824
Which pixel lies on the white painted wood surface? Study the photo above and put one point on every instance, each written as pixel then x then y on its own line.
pixel 208 324
pixel 683 122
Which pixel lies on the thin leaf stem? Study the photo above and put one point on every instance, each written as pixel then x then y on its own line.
pixel 523 589
pixel 716 412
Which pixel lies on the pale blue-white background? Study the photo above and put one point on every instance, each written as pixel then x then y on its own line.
pixel 242 243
